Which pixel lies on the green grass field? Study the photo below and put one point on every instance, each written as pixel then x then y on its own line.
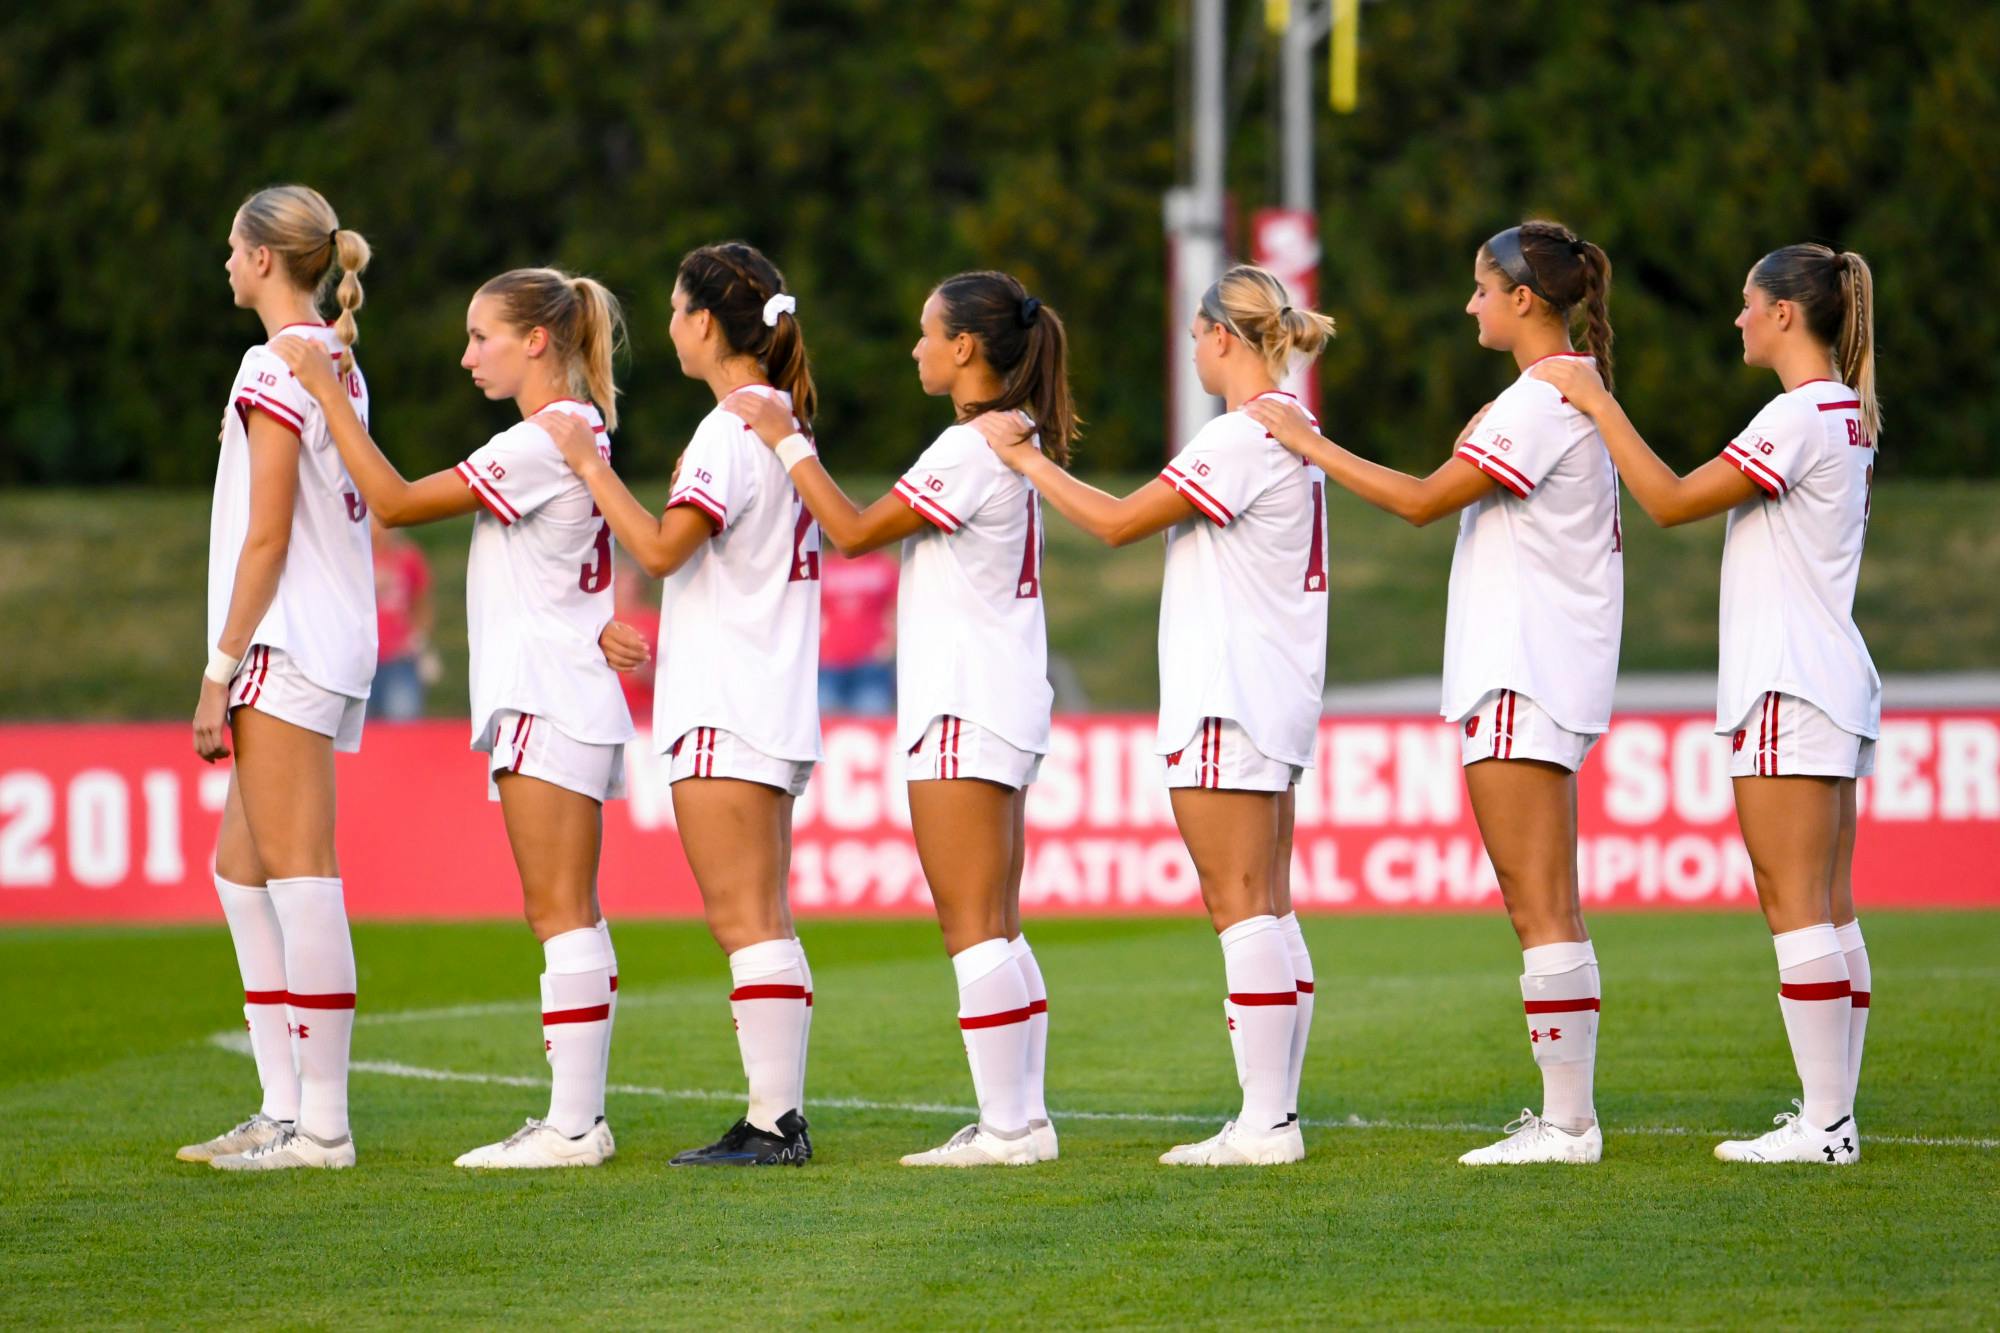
pixel 111 1059
pixel 83 570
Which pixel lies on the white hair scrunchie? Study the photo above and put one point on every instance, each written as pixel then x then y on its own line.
pixel 781 304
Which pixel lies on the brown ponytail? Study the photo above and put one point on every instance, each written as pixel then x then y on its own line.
pixel 733 282
pixel 583 321
pixel 1025 343
pixel 1565 272
pixel 1836 294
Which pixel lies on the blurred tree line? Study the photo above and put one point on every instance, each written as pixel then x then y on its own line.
pixel 874 146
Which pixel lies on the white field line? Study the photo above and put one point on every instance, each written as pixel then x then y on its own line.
pixel 239 1043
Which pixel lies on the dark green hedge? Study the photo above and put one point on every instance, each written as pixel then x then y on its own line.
pixel 874 145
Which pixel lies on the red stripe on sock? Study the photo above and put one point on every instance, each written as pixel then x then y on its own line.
pixel 298 1001
pixel 999 1020
pixel 1038 1006
pixel 1305 988
pixel 1253 998
pixel 1860 998
pixel 263 997
pixel 1588 1004
pixel 614 981
pixel 592 1014
pixel 770 993
pixel 809 999
pixel 1816 990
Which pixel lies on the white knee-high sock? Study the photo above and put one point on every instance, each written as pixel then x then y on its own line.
pixel 805 1033
pixel 993 1020
pixel 260 959
pixel 1263 1010
pixel 611 1018
pixel 769 1001
pixel 1814 993
pixel 1861 983
pixel 1035 1094
pixel 319 978
pixel 1560 992
pixel 1302 969
pixel 576 1025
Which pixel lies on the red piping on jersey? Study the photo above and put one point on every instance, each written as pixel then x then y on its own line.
pixel 1202 500
pixel 1762 474
pixel 928 508
pixel 701 502
pixel 1580 356
pixel 270 410
pixel 1850 405
pixel 1494 468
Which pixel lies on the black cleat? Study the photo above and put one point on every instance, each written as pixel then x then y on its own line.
pixel 746 1145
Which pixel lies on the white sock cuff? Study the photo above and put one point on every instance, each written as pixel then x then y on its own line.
pixel 301 882
pixel 1849 936
pixel 1552 960
pixel 221 884
pixel 584 950
pixel 1799 947
pixel 1018 946
pixel 766 958
pixel 1249 928
pixel 1289 923
pixel 981 960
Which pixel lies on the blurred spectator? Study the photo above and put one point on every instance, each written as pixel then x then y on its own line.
pixel 636 602
pixel 857 632
pixel 405 663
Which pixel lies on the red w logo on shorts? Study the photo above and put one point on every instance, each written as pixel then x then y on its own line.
pixel 1472 726
pixel 1737 743
pixel 1175 757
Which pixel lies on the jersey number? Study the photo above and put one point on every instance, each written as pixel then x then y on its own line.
pixel 1316 556
pixel 1030 582
pixel 596 575
pixel 805 549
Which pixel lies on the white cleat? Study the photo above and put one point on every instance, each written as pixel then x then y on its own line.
pixel 1533 1139
pixel 291 1149
pixel 1839 1144
pixel 1043 1135
pixel 255 1132
pixel 539 1144
pixel 1238 1146
pixel 975 1146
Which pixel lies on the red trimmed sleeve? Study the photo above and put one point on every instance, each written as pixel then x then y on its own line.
pixel 1197 495
pixel 484 491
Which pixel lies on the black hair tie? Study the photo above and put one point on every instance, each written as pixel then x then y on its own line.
pixel 1027 311
pixel 1577 248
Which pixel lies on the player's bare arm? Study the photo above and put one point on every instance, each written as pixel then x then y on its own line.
pixel 1668 498
pixel 1113 520
pixel 1416 500
pixel 852 529
pixel 395 501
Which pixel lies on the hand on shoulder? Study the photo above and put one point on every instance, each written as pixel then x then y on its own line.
pixel 1284 420
pixel 308 360
pixel 762 413
pixel 573 436
pixel 1009 434
pixel 1576 379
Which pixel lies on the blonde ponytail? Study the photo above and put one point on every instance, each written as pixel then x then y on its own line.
pixel 298 225
pixel 1253 305
pixel 351 250
pixel 583 320
pixel 1856 349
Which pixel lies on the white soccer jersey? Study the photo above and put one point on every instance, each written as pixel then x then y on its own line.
pixel 1791 558
pixel 739 622
pixel 324 611
pixel 1537 597
pixel 971 641
pixel 538 588
pixel 1243 607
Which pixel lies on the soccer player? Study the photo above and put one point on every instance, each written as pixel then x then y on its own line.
pixel 1798 694
pixel 736 704
pixel 546 708
pixel 291 633
pixel 972 685
pixel 1531 638
pixel 1243 615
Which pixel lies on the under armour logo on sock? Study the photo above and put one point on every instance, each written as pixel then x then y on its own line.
pixel 1553 1034
pixel 547 1046
pixel 1231 1022
pixel 301 1031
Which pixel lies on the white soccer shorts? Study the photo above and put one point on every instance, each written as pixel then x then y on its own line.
pixel 532 746
pixel 951 747
pixel 269 680
pixel 1508 725
pixel 710 752
pixel 1786 736
pixel 1221 757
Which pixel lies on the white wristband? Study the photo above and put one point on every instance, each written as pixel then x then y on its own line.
pixel 221 666
pixel 794 449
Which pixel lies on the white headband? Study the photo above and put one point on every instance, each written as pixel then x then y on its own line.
pixel 781 304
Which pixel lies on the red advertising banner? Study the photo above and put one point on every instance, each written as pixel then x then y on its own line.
pixel 117 823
